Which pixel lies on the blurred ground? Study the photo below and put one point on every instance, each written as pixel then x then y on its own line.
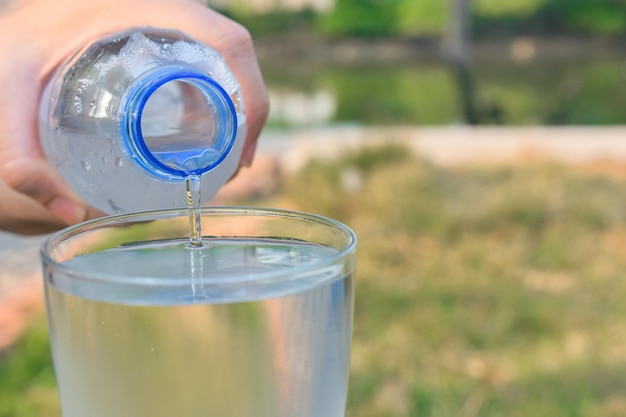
pixel 601 149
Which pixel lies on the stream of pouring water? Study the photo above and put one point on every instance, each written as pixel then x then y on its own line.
pixel 195 235
pixel 194 204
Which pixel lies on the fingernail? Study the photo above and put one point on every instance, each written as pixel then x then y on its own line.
pixel 67 210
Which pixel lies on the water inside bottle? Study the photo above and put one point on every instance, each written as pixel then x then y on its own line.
pixel 179 127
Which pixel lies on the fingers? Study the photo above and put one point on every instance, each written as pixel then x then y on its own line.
pixel 22 164
pixel 21 214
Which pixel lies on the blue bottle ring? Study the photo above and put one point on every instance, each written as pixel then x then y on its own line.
pixel 131 111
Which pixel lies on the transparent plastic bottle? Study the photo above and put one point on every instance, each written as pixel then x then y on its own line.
pixel 128 118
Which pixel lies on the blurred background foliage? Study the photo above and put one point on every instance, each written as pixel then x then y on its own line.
pixel 415 18
pixel 438 62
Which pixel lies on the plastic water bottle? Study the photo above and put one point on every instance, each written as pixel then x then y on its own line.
pixel 128 118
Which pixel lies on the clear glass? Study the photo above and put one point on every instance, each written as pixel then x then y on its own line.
pixel 257 322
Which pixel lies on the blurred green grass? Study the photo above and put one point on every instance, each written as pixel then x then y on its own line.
pixel 27 385
pixel 481 291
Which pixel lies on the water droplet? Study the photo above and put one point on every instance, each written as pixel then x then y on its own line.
pixel 104 160
pixel 119 162
pixel 86 165
pixel 92 104
pixel 57 129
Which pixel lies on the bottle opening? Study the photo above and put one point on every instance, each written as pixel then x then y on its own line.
pixel 181 123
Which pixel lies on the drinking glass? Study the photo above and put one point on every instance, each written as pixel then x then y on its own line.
pixel 256 321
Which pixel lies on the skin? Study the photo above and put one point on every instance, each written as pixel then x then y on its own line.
pixel 36 36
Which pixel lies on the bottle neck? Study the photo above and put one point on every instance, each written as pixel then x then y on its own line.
pixel 175 122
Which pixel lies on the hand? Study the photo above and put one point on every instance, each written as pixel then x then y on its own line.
pixel 36 36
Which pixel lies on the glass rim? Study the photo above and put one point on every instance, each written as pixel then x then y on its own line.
pixel 61 236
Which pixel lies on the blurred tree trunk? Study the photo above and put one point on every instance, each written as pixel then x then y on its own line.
pixel 459 31
pixel 458 51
